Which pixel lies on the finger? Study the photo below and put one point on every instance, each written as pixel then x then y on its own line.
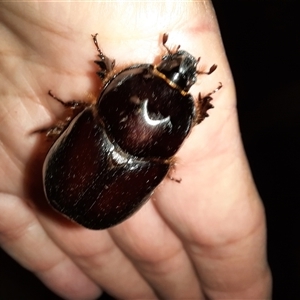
pixel 24 239
pixel 96 254
pixel 223 228
pixel 158 255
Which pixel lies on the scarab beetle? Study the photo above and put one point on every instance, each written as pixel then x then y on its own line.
pixel 109 159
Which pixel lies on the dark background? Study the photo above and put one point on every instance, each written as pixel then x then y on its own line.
pixel 262 42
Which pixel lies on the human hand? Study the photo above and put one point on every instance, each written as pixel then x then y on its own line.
pixel 202 237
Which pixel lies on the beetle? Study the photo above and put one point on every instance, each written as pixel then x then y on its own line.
pixel 107 161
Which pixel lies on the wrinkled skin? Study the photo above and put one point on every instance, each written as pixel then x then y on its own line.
pixel 204 237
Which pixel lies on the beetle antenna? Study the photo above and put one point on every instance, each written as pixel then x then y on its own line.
pixel 164 41
pixel 211 70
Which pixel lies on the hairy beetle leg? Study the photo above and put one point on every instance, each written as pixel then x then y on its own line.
pixel 205 105
pixel 105 64
pixel 74 106
pixel 215 90
pixel 56 130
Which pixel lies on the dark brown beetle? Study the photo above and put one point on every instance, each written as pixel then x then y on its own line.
pixel 107 162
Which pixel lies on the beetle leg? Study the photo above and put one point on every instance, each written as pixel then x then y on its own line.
pixel 56 130
pixel 205 105
pixel 171 170
pixel 73 104
pixel 178 180
pixel 105 64
pixel 215 90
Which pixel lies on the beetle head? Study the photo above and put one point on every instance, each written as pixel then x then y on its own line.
pixel 179 68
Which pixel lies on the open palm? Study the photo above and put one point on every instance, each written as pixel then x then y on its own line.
pixel 203 236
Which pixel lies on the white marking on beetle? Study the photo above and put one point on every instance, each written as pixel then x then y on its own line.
pixel 147 117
